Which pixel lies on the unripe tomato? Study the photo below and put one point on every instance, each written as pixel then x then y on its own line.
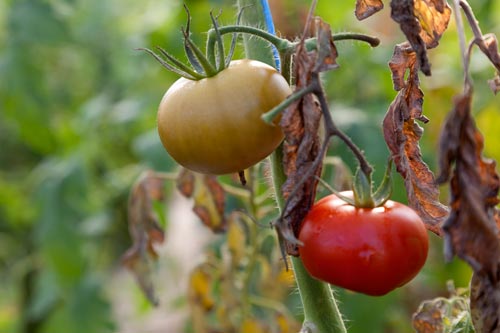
pixel 213 125
pixel 368 250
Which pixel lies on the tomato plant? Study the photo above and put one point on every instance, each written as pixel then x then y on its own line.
pixel 368 250
pixel 214 125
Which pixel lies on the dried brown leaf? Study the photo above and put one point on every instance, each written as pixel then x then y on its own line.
pixel 366 8
pixel 443 315
pixel 490 48
pixel 474 183
pixel 423 22
pixel 434 16
pixel 300 124
pixel 471 231
pixel 495 84
pixel 144 230
pixel 402 135
pixel 326 58
pixel 208 196
pixel 485 304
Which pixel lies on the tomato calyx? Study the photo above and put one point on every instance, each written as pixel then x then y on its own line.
pixel 363 194
pixel 202 65
pixel 362 189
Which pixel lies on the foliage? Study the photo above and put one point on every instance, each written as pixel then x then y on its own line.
pixel 76 127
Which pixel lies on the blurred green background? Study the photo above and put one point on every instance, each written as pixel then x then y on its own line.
pixel 77 126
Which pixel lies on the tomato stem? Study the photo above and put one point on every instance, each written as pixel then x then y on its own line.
pixel 311 43
pixel 269 116
pixel 320 307
pixel 280 43
pixel 318 301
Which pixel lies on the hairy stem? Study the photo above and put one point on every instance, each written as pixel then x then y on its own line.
pixel 320 308
pixel 461 38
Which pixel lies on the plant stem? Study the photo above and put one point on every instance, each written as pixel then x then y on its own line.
pixel 320 308
pixel 311 43
pixel 461 38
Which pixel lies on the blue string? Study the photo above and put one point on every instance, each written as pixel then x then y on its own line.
pixel 270 28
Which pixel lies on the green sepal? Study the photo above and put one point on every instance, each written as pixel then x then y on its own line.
pixel 234 39
pixel 384 191
pixel 362 190
pixel 191 75
pixel 350 201
pixel 219 61
pixel 196 57
pixel 180 65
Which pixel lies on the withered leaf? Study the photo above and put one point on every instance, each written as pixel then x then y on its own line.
pixel 326 57
pixel 443 315
pixel 200 287
pixel 434 16
pixel 495 84
pixel 144 230
pixel 471 230
pixel 423 22
pixel 485 304
pixel 474 184
pixel 366 8
pixel 402 135
pixel 490 48
pixel 300 123
pixel 208 196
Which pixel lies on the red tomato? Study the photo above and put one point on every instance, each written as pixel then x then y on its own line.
pixel 368 250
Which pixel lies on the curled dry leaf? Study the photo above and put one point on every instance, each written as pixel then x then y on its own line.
pixel 300 123
pixel 144 230
pixel 485 304
pixel 433 16
pixel 402 134
pixel 471 231
pixel 495 84
pixel 208 196
pixel 443 315
pixel 366 8
pixel 423 22
pixel 489 46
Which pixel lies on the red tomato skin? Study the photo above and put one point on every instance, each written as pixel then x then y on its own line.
pixel 372 251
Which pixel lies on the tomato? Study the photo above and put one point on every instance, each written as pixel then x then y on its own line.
pixel 368 250
pixel 213 125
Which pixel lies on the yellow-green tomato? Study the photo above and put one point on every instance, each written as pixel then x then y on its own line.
pixel 214 125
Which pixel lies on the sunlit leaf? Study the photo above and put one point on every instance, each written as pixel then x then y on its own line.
pixel 208 196
pixel 366 8
pixel 423 22
pixel 434 16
